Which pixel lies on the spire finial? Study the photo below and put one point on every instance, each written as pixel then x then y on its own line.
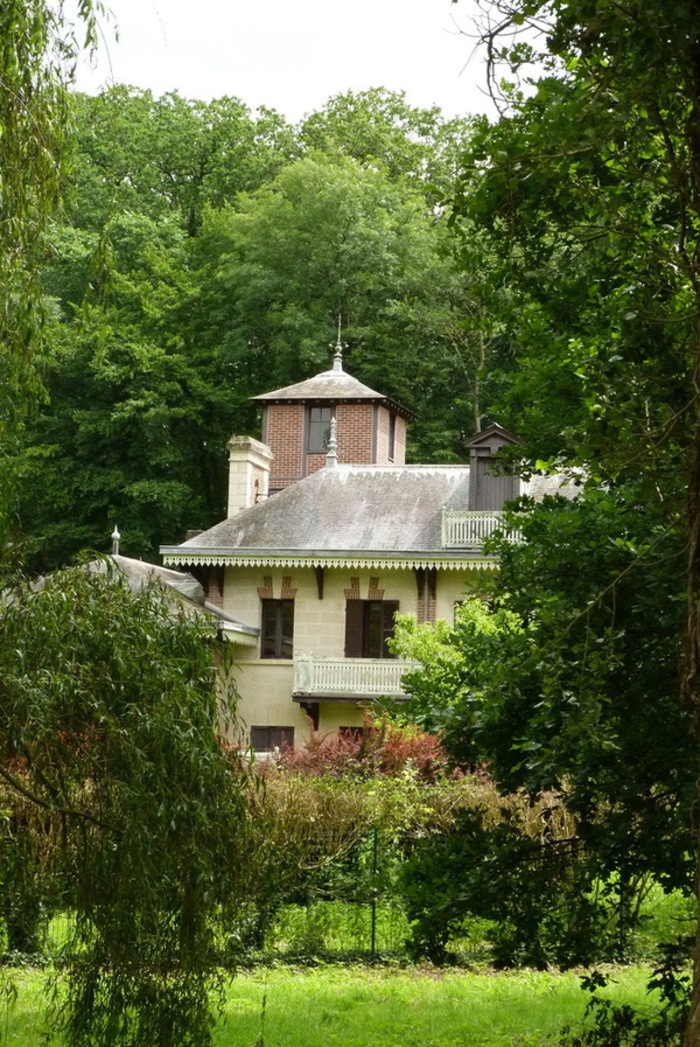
pixel 115 541
pixel 332 454
pixel 338 355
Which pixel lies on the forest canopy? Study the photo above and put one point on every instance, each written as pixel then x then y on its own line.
pixel 205 254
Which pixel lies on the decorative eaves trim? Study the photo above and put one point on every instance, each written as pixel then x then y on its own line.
pixel 221 558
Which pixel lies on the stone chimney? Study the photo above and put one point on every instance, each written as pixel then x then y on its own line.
pixel 248 473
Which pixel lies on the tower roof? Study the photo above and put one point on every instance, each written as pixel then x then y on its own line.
pixel 336 385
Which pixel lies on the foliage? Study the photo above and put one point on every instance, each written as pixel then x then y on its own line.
pixel 128 436
pixel 560 685
pixel 329 239
pixel 621 1024
pixel 36 57
pixel 380 748
pixel 378 127
pixel 169 156
pixel 544 910
pixel 109 704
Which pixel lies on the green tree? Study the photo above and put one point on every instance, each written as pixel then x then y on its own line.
pixel 590 188
pixel 128 433
pixel 109 705
pixel 37 54
pixel 330 239
pixel 169 155
pixel 416 146
pixel 560 685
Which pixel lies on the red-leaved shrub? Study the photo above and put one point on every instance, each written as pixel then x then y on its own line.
pixel 380 748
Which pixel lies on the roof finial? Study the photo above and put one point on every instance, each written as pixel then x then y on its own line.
pixel 115 541
pixel 332 454
pixel 338 355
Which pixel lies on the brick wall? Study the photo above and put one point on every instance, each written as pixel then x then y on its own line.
pixel 284 435
pixel 400 441
pixel 382 436
pixel 314 462
pixel 355 430
pixel 383 426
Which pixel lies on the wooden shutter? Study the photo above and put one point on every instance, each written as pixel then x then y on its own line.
pixel 353 628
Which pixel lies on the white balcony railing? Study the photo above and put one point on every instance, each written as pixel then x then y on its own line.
pixel 462 529
pixel 361 677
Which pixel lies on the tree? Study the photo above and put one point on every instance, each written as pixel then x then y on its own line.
pixel 329 240
pixel 378 127
pixel 561 686
pixel 592 189
pixel 130 432
pixel 36 58
pixel 169 155
pixel 110 701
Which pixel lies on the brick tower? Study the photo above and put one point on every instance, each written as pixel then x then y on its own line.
pixel 370 428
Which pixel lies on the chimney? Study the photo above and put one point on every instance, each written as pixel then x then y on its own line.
pixel 248 472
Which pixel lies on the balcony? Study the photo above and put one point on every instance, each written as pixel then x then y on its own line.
pixel 462 529
pixel 348 677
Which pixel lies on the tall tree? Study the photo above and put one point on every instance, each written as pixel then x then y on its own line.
pixel 379 127
pixel 169 155
pixel 596 183
pixel 110 699
pixel 37 54
pixel 330 239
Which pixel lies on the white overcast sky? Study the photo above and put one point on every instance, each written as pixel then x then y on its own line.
pixel 293 56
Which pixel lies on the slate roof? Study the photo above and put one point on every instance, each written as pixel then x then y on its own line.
pixel 183 588
pixel 360 511
pixel 336 385
pixel 351 508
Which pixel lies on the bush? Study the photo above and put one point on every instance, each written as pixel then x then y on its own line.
pixel 380 749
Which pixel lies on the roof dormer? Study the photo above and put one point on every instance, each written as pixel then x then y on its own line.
pixel 489 484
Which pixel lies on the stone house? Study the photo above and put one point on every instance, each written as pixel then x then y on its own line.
pixel 328 534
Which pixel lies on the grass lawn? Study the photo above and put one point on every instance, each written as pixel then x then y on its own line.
pixel 374 1007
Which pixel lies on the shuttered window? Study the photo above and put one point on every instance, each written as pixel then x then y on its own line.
pixel 368 626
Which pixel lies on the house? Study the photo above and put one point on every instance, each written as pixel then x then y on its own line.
pixel 328 534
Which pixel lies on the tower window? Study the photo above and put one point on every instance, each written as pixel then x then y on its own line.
pixel 319 429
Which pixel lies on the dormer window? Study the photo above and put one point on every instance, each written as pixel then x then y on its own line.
pixel 319 429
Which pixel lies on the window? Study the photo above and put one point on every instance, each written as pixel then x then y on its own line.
pixel 267 739
pixel 319 430
pixel 392 437
pixel 368 626
pixel 277 632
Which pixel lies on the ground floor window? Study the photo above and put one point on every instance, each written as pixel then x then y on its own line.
pixel 267 739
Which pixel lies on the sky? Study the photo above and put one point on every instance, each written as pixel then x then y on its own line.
pixel 293 56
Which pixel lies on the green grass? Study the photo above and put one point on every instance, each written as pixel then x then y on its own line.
pixel 375 1007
